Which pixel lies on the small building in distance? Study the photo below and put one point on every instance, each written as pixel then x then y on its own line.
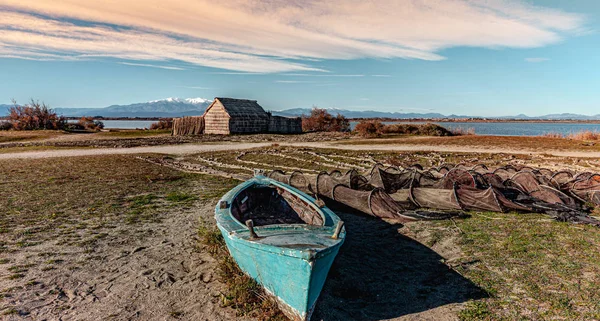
pixel 242 116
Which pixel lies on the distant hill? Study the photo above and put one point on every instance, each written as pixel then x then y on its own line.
pixel 177 107
pixel 379 114
pixel 170 107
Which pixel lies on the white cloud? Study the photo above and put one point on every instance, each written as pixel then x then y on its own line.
pixel 275 36
pixel 151 66
pixel 537 59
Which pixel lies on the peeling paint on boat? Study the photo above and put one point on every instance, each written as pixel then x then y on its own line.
pixel 290 261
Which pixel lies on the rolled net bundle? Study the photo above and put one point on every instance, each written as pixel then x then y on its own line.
pixel 300 181
pixel 280 176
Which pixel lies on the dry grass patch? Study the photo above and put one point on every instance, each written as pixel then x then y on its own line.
pixel 535 143
pixel 242 293
pixel 18 136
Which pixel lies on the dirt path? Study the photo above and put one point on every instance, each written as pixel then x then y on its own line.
pixel 197 148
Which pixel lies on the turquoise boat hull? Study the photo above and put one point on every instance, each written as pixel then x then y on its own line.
pixel 291 261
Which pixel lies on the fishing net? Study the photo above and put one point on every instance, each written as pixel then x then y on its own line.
pixel 391 182
pixel 401 194
pixel 586 188
pixel 562 177
pixel 525 181
pixel 456 176
pixel 479 200
pixel 441 199
pixel 502 173
pixel 301 182
pixel 493 180
pixel 481 169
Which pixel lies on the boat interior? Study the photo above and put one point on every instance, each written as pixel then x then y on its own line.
pixel 270 205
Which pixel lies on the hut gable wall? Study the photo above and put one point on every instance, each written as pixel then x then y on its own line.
pixel 216 119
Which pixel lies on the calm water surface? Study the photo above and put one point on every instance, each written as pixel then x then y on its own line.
pixel 501 129
pixel 513 129
pixel 125 124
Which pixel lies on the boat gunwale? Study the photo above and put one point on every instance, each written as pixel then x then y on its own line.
pixel 330 220
pixel 258 180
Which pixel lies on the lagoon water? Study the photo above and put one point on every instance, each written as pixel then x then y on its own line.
pixel 500 129
pixel 125 124
pixel 513 128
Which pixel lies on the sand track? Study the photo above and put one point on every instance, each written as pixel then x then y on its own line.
pixel 198 148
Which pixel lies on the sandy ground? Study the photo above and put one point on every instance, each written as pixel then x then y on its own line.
pixel 150 271
pixel 197 148
pixel 156 271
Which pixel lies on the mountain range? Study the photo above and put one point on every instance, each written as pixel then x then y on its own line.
pixel 177 107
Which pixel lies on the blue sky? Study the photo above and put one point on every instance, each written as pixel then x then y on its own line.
pixel 455 57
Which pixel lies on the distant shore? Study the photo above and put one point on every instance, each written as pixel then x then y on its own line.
pixel 479 120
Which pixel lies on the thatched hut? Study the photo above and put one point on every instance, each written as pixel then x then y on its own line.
pixel 242 116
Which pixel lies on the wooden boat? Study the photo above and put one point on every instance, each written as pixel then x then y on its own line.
pixel 282 239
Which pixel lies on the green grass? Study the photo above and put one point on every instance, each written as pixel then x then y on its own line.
pixel 532 267
pixel 180 197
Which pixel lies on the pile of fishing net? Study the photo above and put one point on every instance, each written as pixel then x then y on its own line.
pixel 414 193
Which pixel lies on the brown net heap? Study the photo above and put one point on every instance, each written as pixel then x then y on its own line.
pixel 414 193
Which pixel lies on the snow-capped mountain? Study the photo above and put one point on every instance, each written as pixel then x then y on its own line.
pixel 180 100
pixel 169 107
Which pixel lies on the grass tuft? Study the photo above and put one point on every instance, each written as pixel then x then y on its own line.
pixel 242 293
pixel 180 197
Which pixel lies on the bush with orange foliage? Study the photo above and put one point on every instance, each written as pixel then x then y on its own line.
pixel 163 123
pixel 320 120
pixel 90 124
pixel 369 128
pixel 34 116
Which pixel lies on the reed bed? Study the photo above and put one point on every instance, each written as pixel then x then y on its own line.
pixel 586 135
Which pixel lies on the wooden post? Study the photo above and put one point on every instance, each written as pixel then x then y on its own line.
pixel 338 230
pixel 250 225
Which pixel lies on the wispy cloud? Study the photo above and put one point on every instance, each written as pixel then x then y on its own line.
pixel 537 59
pixel 151 66
pixel 197 87
pixel 275 36
pixel 386 76
pixel 324 75
pixel 295 82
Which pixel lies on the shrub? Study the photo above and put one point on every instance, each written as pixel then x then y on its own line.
pixel 163 123
pixel 585 135
pixel 462 131
pixel 34 116
pixel 369 128
pixel 553 135
pixel 320 120
pixel 90 124
pixel 5 125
